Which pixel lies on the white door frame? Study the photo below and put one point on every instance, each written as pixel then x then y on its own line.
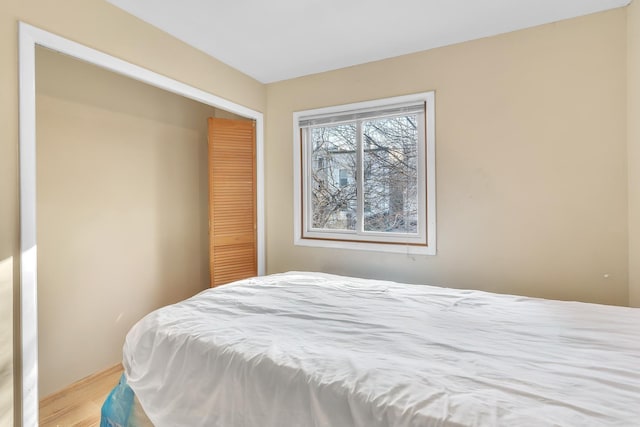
pixel 29 38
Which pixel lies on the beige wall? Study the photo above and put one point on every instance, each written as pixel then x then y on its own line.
pixel 99 25
pixel 531 150
pixel 122 211
pixel 633 146
pixel 531 162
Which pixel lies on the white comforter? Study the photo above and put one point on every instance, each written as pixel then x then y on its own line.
pixel 311 349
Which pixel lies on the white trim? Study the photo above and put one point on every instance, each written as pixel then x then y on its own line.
pixel 430 146
pixel 299 197
pixel 28 252
pixel 29 37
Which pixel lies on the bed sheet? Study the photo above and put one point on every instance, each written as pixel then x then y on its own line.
pixel 313 349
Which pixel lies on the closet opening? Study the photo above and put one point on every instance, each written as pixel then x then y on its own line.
pixel 121 204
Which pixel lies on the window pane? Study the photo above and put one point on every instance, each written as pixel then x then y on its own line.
pixel 390 174
pixel 333 165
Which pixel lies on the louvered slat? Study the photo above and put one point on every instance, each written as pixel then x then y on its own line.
pixel 232 200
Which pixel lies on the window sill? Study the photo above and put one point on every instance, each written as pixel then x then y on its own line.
pixel 362 246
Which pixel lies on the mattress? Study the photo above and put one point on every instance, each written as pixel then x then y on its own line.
pixel 313 349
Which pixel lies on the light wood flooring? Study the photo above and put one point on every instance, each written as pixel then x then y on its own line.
pixel 79 404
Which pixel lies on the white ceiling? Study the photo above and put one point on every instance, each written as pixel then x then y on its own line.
pixel 281 39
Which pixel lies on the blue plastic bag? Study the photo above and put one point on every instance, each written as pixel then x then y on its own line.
pixel 116 410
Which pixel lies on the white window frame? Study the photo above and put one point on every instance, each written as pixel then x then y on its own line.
pixel 424 242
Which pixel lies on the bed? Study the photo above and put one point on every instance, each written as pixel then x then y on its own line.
pixel 313 349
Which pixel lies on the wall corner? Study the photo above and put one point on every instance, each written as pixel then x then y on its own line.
pixel 633 148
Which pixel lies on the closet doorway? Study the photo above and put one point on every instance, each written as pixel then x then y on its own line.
pixel 33 40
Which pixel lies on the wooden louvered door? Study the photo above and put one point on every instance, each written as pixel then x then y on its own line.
pixel 232 200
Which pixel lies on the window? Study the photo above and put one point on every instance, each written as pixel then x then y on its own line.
pixel 364 175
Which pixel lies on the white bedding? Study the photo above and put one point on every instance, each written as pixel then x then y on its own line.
pixel 312 349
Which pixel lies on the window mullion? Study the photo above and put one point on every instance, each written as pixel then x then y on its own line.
pixel 359 178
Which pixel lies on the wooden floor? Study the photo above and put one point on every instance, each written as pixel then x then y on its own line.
pixel 79 404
